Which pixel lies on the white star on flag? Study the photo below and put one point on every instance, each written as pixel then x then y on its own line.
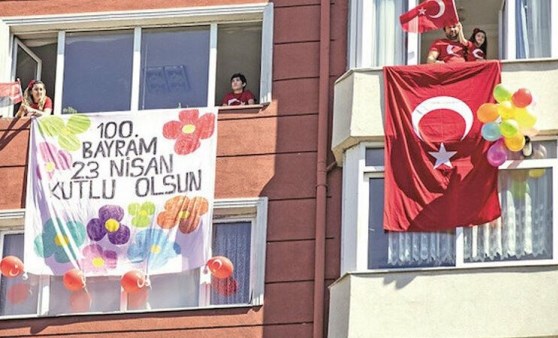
pixel 442 156
pixel 422 11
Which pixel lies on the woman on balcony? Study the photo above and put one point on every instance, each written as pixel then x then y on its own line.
pixel 35 101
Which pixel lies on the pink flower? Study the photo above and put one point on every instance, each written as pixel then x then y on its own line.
pixel 53 159
pixel 97 260
pixel 189 130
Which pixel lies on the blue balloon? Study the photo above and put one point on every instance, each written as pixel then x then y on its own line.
pixel 491 131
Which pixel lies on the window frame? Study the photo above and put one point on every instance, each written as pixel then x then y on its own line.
pixel 253 210
pixel 175 17
pixel 355 212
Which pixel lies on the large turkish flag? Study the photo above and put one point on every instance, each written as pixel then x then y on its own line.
pixel 429 15
pixel 437 176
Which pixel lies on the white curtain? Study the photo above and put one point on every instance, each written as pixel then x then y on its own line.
pixel 533 28
pixel 525 229
pixel 389 40
pixel 421 249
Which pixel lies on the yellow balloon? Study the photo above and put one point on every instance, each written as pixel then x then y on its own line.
pixel 536 173
pixel 515 143
pixel 506 110
pixel 525 118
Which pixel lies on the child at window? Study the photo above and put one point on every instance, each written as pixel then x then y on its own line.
pixel 35 102
pixel 239 95
pixel 477 46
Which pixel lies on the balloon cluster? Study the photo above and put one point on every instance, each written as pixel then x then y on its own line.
pixel 506 123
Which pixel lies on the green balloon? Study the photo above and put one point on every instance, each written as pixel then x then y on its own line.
pixel 501 93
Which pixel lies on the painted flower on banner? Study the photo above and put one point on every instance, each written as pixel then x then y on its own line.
pixel 184 211
pixel 53 159
pixel 154 246
pixel 190 130
pixel 59 240
pixel 97 259
pixel 109 222
pixel 65 132
pixel 142 213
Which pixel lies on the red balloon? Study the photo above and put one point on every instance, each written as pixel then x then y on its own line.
pixel 80 301
pixel 133 281
pixel 225 286
pixel 137 300
pixel 11 266
pixel 220 266
pixel 522 98
pixel 74 280
pixel 18 293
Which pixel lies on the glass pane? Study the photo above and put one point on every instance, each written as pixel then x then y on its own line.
pixel 98 71
pixel 524 232
pixel 17 295
pixel 533 27
pixel 232 240
pixel 175 68
pixel 389 43
pixel 406 249
pixel 102 294
pixel 238 51
pixel 26 70
pixel 374 157
pixel 168 291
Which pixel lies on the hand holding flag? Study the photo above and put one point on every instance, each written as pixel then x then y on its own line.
pixel 429 15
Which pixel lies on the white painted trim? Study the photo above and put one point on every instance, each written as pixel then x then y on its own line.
pixel 59 82
pixel 212 73
pixel 509 21
pixel 367 33
pixel 554 29
pixel 413 41
pixel 136 70
pixel 266 68
pixel 352 34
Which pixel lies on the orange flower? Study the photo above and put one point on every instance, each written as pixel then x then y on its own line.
pixel 184 211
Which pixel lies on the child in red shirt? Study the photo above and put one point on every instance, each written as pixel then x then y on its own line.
pixel 477 45
pixel 239 95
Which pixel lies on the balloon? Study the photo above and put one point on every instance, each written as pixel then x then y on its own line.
pixel 509 128
pixel 522 98
pixel 515 143
pixel 224 286
pixel 137 300
pixel 496 154
pixel 220 266
pixel 80 301
pixel 519 189
pixel 536 173
pixel 491 131
pixel 74 280
pixel 501 93
pixel 133 281
pixel 11 266
pixel 525 118
pixel 519 175
pixel 506 110
pixel 487 112
pixel 539 152
pixel 18 293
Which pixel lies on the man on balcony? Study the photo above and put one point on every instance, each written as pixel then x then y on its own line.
pixel 451 49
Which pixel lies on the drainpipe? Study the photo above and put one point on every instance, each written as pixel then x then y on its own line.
pixel 321 171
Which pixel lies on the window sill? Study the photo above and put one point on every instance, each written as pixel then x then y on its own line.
pixel 255 108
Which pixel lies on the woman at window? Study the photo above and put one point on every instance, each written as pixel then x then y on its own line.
pixel 35 101
pixel 477 45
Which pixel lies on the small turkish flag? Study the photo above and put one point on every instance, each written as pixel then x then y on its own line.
pixel 437 176
pixel 429 15
pixel 10 93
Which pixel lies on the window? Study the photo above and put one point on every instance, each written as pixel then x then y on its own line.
pixel 239 230
pixel 525 234
pixel 176 58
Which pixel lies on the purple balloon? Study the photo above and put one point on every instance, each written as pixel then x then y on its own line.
pixel 497 154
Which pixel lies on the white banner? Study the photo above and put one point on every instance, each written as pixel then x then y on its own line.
pixel 107 193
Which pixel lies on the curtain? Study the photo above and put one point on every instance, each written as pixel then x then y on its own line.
pixel 389 40
pixel 421 249
pixel 532 18
pixel 525 229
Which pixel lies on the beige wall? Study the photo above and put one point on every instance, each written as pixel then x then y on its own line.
pixel 359 101
pixel 502 302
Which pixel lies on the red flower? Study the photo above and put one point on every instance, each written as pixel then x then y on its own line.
pixel 189 130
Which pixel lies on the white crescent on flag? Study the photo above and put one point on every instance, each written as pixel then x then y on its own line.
pixel 442 102
pixel 442 9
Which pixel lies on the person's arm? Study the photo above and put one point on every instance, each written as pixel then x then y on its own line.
pixel 432 56
pixel 461 36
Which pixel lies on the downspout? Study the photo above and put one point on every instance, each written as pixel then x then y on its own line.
pixel 321 171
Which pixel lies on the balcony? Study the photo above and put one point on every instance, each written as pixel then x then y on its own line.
pixel 359 101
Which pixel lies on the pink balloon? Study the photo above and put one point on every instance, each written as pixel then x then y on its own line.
pixel 497 154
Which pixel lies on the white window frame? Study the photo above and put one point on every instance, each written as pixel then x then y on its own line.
pixel 199 16
pixel 361 35
pixel 355 212
pixel 253 210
